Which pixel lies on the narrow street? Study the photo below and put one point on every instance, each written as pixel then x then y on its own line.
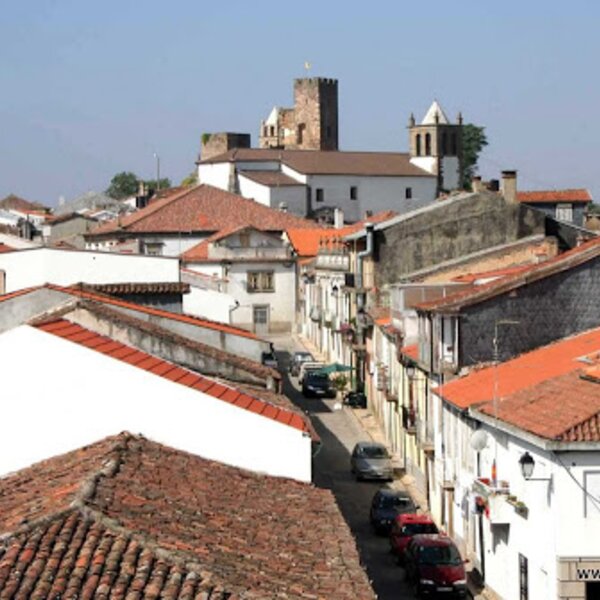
pixel 339 431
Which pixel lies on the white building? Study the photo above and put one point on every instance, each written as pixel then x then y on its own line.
pixel 259 274
pixel 36 266
pixel 538 534
pixel 94 385
pixel 315 182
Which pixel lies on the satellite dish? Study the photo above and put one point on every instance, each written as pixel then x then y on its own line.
pixel 479 440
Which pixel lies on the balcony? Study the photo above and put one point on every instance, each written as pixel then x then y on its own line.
pixel 333 262
pixel 258 252
pixel 425 435
pixel 409 420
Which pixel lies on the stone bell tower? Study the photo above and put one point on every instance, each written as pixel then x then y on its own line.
pixel 436 146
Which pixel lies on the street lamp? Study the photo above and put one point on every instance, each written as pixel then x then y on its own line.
pixel 157 171
pixel 410 371
pixel 527 466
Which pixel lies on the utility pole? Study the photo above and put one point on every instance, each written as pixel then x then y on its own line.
pixel 157 157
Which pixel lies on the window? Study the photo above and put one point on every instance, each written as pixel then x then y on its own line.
pixel 353 193
pixel 564 212
pixel 427 144
pixel 300 135
pixel 523 578
pixel 454 148
pixel 444 144
pixel 153 248
pixel 320 195
pixel 272 130
pixel 418 145
pixel 261 281
pixel 408 193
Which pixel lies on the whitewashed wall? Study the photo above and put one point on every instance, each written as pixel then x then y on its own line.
pixel 293 196
pixel 27 268
pixel 79 382
pixel 208 304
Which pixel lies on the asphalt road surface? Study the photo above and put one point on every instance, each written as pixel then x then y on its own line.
pixel 339 431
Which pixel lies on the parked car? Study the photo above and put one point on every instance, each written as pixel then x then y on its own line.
pixel 309 366
pixel 296 361
pixel 318 385
pixel 355 400
pixel 371 460
pixel 434 567
pixel 404 527
pixel 386 505
pixel 269 360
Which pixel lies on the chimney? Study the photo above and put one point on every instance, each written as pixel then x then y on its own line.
pixel 477 184
pixel 509 186
pixel 338 218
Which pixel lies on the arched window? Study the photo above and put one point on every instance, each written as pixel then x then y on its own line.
pixel 427 144
pixel 300 133
pixel 444 144
pixel 454 145
pixel 418 145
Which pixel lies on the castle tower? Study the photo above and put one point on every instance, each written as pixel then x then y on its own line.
pixel 436 146
pixel 316 113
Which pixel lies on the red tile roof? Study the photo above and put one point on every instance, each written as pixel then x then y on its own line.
pixel 411 351
pixel 564 408
pixel 548 196
pixel 493 274
pixel 128 518
pixel 105 345
pixel 271 178
pixel 306 242
pixel 329 162
pixel 522 372
pixel 20 204
pixel 6 248
pixel 197 321
pixel 473 295
pixel 201 209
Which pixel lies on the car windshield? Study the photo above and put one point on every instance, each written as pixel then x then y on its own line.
pixel 399 502
pixel 439 555
pixel 373 452
pixel 300 358
pixel 416 528
pixel 317 377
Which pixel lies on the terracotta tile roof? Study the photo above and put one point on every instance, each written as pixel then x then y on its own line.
pixel 546 196
pixel 201 209
pixel 322 162
pixel 105 345
pixel 129 518
pixel 522 372
pixel 197 321
pixel 306 241
pixel 564 408
pixel 271 178
pixel 6 248
pixel 17 203
pixel 167 287
pixel 563 262
pixel 493 274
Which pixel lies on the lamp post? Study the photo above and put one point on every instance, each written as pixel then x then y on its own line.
pixel 157 157
pixel 527 463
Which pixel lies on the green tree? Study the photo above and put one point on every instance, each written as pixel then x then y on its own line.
pixel 165 183
pixel 191 179
pixel 474 141
pixel 123 185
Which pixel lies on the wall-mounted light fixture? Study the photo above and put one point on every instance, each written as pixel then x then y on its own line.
pixel 527 467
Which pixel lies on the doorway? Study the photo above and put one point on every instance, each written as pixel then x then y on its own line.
pixel 260 318
pixel 592 590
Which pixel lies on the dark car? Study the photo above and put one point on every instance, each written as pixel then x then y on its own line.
pixel 296 361
pixel 319 385
pixel 386 505
pixel 404 528
pixel 435 568
pixel 371 460
pixel 269 360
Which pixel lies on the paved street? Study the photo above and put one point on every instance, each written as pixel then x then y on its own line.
pixel 339 431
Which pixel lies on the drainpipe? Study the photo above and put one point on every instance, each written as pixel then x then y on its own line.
pixel 360 305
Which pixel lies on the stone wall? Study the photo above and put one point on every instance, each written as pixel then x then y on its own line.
pixel 454 228
pixel 214 144
pixel 575 574
pixel 546 310
pixel 316 113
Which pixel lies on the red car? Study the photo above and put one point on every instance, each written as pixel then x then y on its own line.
pixel 435 568
pixel 404 527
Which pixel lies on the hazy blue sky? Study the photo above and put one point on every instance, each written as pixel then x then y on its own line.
pixel 88 89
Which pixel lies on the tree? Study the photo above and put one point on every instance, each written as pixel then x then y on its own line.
pixel 191 179
pixel 123 185
pixel 165 183
pixel 474 141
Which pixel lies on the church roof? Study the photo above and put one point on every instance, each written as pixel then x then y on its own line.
pixel 429 118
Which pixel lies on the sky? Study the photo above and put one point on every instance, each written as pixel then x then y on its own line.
pixel 89 89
